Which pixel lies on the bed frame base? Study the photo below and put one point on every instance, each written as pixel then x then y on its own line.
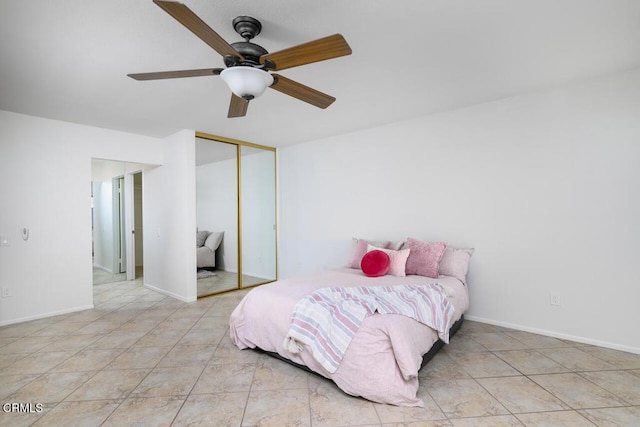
pixel 425 358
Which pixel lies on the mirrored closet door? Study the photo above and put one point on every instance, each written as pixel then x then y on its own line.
pixel 235 214
pixel 258 215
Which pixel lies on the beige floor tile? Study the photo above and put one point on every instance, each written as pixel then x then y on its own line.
pixel 220 410
pixel 576 391
pixel 99 327
pixel 37 363
pixel 27 345
pixel 576 359
pixel 433 423
pixel 493 421
pixel 140 345
pixel 494 341
pixel 209 336
pixel 442 367
pixel 89 413
pixel 50 387
pixel 187 355
pixel 520 394
pixel 88 360
pixel 619 359
pixel 160 337
pixel 116 384
pixel 145 411
pixel 20 330
pixel 140 325
pixel 469 326
pixel 73 342
pixel 13 383
pixel 86 315
pixel 211 322
pixel 182 323
pixel 25 418
pixel 274 374
pixel 168 382
pixel 559 419
pixel 227 378
pixel 7 360
pixel 277 408
pixel 332 407
pixel 64 327
pixel 462 344
pixel 7 340
pixel 139 357
pixel 481 365
pixel 463 398
pixel 116 339
pixel 530 362
pixel 227 352
pixel 397 414
pixel 623 384
pixel 610 417
pixel 537 341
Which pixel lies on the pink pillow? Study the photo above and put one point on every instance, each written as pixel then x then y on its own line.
pixel 375 263
pixel 424 257
pixel 455 262
pixel 398 260
pixel 359 248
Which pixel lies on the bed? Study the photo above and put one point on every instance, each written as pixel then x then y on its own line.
pixel 382 361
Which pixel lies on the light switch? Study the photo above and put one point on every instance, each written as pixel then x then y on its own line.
pixel 4 240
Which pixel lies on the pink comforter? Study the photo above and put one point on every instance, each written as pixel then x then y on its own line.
pixel 393 344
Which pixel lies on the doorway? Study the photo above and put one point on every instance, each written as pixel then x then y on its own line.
pixel 117 221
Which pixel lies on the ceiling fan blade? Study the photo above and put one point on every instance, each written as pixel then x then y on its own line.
pixel 301 92
pixel 318 50
pixel 197 26
pixel 238 106
pixel 176 74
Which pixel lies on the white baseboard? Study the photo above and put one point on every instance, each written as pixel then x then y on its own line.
pixel 553 334
pixel 43 315
pixel 169 294
pixel 103 268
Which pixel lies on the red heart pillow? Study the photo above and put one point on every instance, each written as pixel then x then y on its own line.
pixel 375 263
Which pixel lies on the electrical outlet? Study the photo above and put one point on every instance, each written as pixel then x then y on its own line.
pixel 6 292
pixel 554 299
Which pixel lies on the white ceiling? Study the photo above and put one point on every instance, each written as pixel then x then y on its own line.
pixel 68 60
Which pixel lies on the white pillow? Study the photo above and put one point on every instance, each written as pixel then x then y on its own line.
pixel 455 262
pixel 398 260
pixel 214 240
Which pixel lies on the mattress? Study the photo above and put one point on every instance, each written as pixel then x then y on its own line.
pixel 383 359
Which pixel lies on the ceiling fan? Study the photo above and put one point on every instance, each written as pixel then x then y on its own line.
pixel 248 64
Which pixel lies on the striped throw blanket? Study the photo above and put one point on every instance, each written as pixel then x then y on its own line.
pixel 327 320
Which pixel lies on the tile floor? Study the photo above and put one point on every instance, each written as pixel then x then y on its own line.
pixel 143 359
pixel 224 281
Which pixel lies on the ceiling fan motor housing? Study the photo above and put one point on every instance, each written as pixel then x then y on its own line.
pixel 248 28
pixel 250 51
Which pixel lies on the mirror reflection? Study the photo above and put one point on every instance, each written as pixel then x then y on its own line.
pixel 258 215
pixel 216 216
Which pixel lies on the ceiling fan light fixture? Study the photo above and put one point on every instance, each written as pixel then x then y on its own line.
pixel 246 82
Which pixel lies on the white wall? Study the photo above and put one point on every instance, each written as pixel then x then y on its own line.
pixel 45 176
pixel 544 186
pixel 170 220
